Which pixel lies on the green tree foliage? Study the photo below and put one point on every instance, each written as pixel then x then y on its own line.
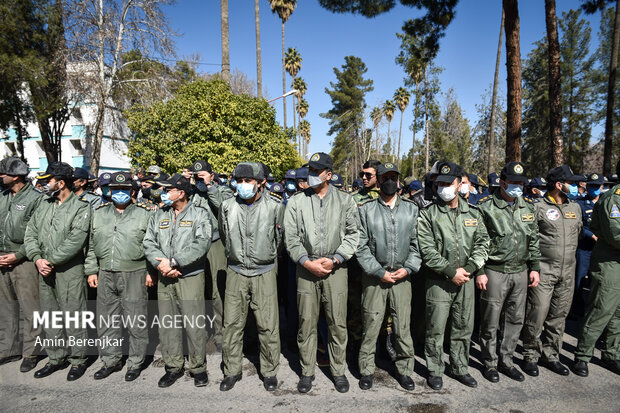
pixel 205 120
pixel 346 117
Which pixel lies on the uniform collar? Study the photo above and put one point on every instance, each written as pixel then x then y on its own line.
pixel 500 202
pixel 398 199
pixel 443 207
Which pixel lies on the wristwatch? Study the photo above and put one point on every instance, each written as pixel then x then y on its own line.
pixel 173 263
pixel 335 261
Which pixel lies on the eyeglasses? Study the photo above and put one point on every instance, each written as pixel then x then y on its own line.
pixel 366 175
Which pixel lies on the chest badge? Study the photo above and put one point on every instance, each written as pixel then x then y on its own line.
pixel 186 223
pixel 164 223
pixel 470 222
pixel 570 215
pixel 20 207
pixel 553 214
pixel 615 212
pixel 527 217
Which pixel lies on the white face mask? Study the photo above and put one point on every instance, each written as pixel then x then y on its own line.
pixel 464 189
pixel 446 193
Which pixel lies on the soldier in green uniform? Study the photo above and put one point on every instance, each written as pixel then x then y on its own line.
pixel 176 243
pixel 116 266
pixel 454 244
pixel 388 254
pixel 513 233
pixel 210 196
pixel 559 226
pixel 19 280
pixel 321 228
pixel 80 184
pixel 251 230
pixel 55 240
pixel 603 313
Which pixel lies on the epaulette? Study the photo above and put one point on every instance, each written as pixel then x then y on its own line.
pixel 528 199
pixel 83 200
pixel 485 199
pixel 276 196
pixel 402 198
pixel 365 202
pixel 148 207
pixel 102 205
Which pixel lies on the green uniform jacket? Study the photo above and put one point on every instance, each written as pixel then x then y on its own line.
pixel 211 200
pixel 115 242
pixel 452 239
pixel 606 225
pixel 559 227
pixel 388 237
pixel 364 195
pixel 251 235
pixel 15 212
pixel 186 238
pixel 315 228
pixel 93 199
pixel 58 232
pixel 513 231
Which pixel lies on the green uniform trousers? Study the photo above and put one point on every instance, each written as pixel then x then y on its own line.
pixel 603 312
pixel 376 296
pixel 65 290
pixel 507 292
pixel 216 259
pixel 182 298
pixel 19 287
pixel 123 295
pixel 331 291
pixel 547 306
pixel 261 295
pixel 447 301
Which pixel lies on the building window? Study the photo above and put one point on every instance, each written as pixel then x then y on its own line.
pixel 12 150
pixel 77 147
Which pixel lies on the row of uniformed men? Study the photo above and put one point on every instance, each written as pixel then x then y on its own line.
pixel 322 233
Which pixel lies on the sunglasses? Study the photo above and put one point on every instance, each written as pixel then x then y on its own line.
pixel 366 175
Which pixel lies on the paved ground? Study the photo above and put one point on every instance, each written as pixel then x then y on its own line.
pixel 600 392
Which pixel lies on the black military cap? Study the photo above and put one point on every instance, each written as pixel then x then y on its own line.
pixel 562 174
pixel 337 180
pixel 493 179
pixel 160 177
pixel 177 181
pixel 290 174
pixel 321 160
pixel 60 169
pixel 448 171
pixel 473 178
pixel 120 179
pixel 277 188
pixel 201 166
pixel 613 178
pixel 252 170
pixel 357 183
pixel 595 179
pixel 105 179
pixel 387 167
pixel 514 171
pixel 2 163
pixel 81 173
pixel 302 173
pixel 537 182
pixel 14 166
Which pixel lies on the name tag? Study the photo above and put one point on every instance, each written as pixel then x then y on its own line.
pixel 470 222
pixel 20 207
pixel 164 223
pixel 527 217
pixel 570 215
pixel 186 223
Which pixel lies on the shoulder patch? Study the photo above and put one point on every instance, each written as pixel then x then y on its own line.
pixel 103 205
pixel 617 191
pixel 528 199
pixel 615 212
pixel 275 196
pixel 485 199
pixel 148 207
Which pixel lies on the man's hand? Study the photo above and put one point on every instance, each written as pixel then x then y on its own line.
pixel 8 260
pixel 326 263
pixel 174 274
pixel 316 268
pixel 93 281
pixel 206 177
pixel 164 266
pixel 461 276
pixel 594 237
pixel 399 274
pixel 534 278
pixel 44 267
pixel 388 277
pixel 481 282
pixel 150 281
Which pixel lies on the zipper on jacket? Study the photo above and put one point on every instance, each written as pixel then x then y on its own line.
pixel 247 235
pixel 113 240
pixel 321 229
pixel 514 236
pixel 393 238
pixel 456 238
pixel 6 220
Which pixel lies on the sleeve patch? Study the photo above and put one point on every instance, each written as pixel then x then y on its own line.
pixel 615 212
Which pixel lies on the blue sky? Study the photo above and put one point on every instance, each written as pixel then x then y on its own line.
pixel 467 52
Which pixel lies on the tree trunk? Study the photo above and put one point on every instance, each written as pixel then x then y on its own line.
pixel 98 138
pixel 283 78
pixel 427 166
pixel 299 148
pixel 259 62
pixel 387 157
pixel 513 66
pixel 415 120
pixel 555 97
pixel 494 99
pixel 609 124
pixel 225 42
pixel 378 143
pixel 400 131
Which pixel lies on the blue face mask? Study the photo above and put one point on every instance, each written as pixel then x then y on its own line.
pixel 514 190
pixel 105 192
pixel 246 191
pixel 165 198
pixel 594 192
pixel 268 185
pixel 291 186
pixel 121 196
pixel 201 186
pixel 233 184
pixel 573 191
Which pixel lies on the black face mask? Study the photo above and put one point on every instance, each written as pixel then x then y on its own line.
pixel 389 187
pixel 146 193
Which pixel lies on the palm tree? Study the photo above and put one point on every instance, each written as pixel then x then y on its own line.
pixel 376 115
pixel 300 86
pixel 388 111
pixel 284 9
pixel 259 62
pixel 401 98
pixel 225 41
pixel 304 130
pixel 292 64
pixel 302 109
